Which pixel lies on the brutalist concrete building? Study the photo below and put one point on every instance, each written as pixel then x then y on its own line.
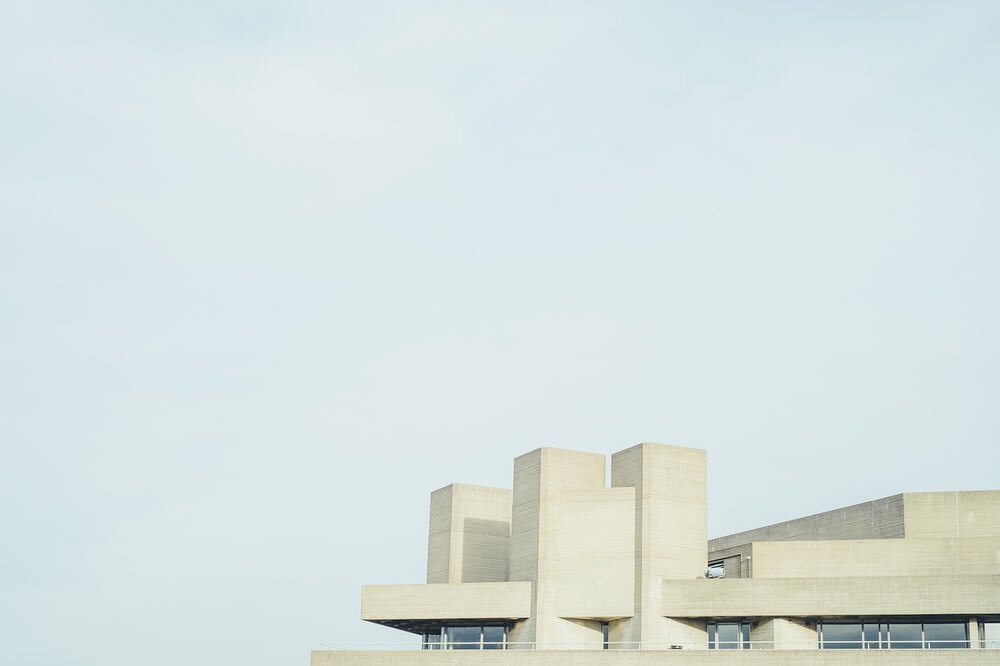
pixel 565 570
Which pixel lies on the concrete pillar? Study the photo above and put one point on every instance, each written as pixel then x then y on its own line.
pixel 783 634
pixel 671 535
pixel 547 483
pixel 973 630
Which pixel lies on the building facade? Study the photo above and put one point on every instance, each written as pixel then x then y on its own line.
pixel 562 569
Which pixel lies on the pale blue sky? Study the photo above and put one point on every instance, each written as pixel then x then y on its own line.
pixel 252 251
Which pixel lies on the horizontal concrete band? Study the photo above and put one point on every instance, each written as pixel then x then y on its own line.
pixel 446 601
pixel 812 597
pixel 650 657
pixel 966 556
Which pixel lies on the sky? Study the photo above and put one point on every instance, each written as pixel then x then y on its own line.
pixel 270 273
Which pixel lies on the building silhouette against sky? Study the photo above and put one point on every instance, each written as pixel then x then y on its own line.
pixel 562 564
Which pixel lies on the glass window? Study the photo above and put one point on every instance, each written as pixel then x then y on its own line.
pixel 841 636
pixel 463 638
pixel 873 634
pixel 904 636
pixel 989 633
pixel 942 635
pixel 432 640
pixel 493 637
pixel 728 635
pixel 604 634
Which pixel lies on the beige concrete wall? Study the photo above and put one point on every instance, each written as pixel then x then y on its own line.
pixel 953 514
pixel 446 602
pixel 657 657
pixel 670 530
pixel 559 496
pixel 974 556
pixel 469 534
pixel 591 539
pixel 810 597
pixel 525 516
pixel 877 519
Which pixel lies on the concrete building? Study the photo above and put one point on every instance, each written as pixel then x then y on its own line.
pixel 565 570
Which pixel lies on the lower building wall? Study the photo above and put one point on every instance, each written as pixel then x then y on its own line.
pixel 651 657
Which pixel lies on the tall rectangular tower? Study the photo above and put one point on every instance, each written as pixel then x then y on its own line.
pixel 671 536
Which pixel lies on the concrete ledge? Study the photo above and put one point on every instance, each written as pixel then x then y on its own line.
pixel 812 597
pixel 966 556
pixel 446 601
pixel 651 657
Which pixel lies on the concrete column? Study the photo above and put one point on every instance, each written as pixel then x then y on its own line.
pixel 783 634
pixel 548 484
pixel 671 535
pixel 974 633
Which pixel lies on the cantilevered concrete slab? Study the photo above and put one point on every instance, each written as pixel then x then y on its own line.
pixel 401 605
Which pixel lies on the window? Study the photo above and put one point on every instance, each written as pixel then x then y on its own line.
pixel 431 640
pixel 944 635
pixel 716 569
pixel 875 635
pixel 466 637
pixel 989 635
pixel 728 635
pixel 840 636
pixel 493 637
pixel 902 635
pixel 463 638
pixel 604 634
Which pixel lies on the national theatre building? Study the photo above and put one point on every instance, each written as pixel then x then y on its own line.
pixel 562 569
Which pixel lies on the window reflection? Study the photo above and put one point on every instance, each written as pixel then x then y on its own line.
pixel 989 635
pixel 841 636
pixel 874 635
pixel 432 640
pixel 465 637
pixel 728 635
pixel 905 635
pixel 493 638
pixel 944 635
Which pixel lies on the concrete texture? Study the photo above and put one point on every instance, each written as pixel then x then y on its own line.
pixel 890 557
pixel 559 500
pixel 443 601
pixel 832 597
pixel 877 519
pixel 469 535
pixel 953 514
pixel 670 533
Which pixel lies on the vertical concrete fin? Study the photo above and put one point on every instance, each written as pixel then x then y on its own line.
pixel 439 536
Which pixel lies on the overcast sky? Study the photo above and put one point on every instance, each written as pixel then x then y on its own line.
pixel 274 271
